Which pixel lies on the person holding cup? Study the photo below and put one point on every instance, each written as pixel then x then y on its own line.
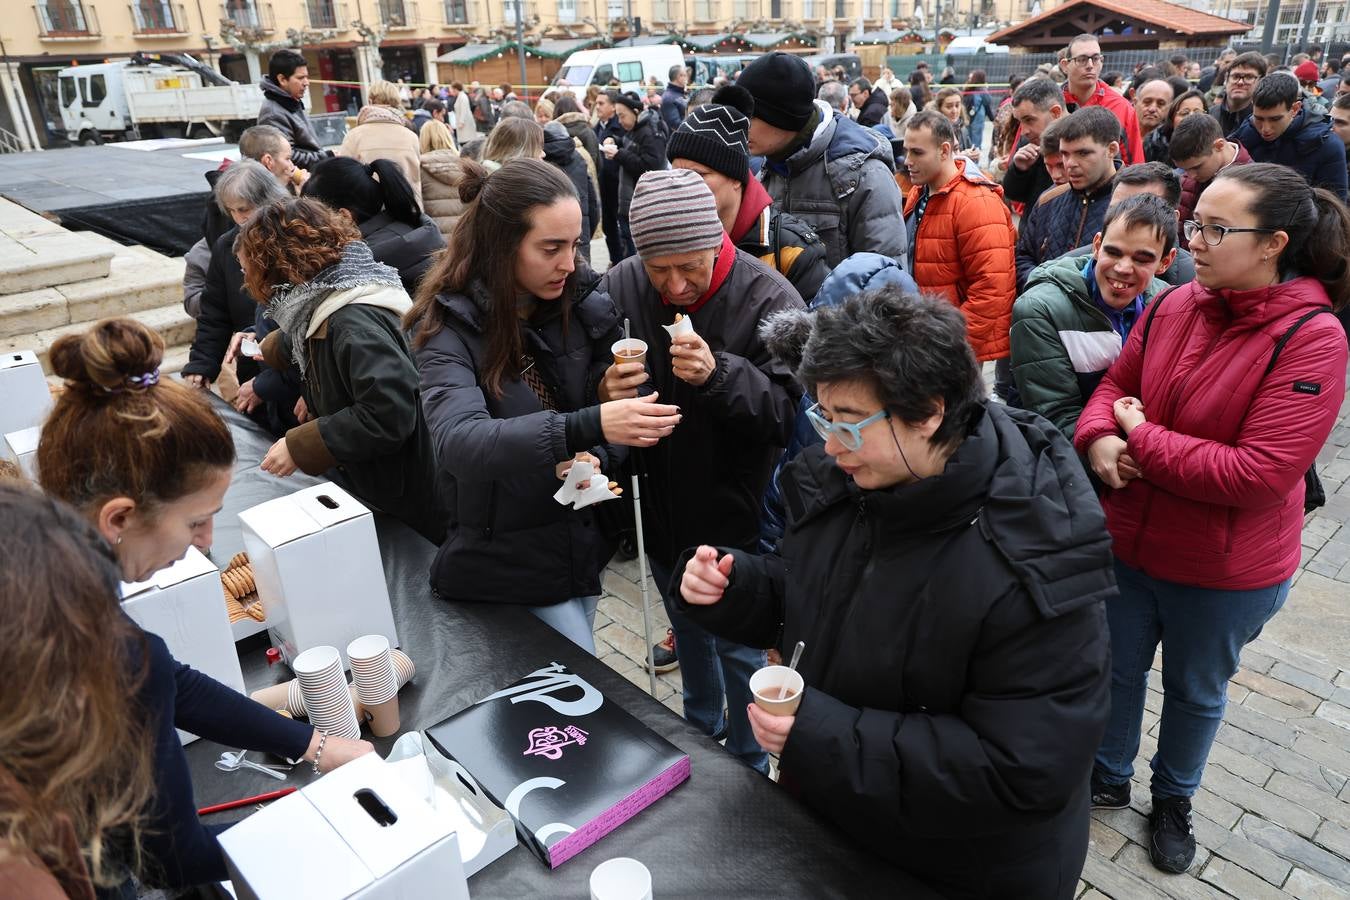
pixel 512 337
pixel 708 477
pixel 146 461
pixel 946 563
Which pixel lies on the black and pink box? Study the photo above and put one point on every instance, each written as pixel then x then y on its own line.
pixel 568 764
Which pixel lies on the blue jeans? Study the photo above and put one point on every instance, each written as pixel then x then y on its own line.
pixel 574 619
pixel 1202 631
pixel 715 671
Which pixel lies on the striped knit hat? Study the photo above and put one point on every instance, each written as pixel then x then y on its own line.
pixel 673 211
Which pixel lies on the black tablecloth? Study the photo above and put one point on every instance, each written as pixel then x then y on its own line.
pixel 727 832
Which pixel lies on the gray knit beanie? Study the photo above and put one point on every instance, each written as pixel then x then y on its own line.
pixel 673 211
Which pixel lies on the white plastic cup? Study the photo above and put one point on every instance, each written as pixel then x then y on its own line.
pixel 621 878
pixel 777 689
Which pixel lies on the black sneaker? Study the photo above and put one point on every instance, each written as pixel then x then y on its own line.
pixel 1109 796
pixel 663 653
pixel 1172 841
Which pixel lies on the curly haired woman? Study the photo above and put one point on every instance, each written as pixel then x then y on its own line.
pixel 337 310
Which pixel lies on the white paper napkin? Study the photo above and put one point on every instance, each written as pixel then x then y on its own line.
pixel 597 492
pixel 684 326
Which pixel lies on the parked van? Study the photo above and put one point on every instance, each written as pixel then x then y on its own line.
pixel 634 67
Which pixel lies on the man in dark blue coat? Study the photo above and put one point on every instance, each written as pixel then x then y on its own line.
pixel 1281 130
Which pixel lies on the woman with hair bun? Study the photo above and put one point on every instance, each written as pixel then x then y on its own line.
pixel 146 461
pixel 1203 430
pixel 512 338
pixel 945 561
pixel 380 202
pixel 337 312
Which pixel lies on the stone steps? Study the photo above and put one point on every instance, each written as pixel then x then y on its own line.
pixel 38 261
pixel 174 325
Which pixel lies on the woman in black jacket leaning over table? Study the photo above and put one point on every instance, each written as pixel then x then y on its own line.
pixel 965 532
pixel 146 461
pixel 512 339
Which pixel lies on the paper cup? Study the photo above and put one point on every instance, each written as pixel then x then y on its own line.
pixel 629 350
pixel 373 669
pixel 326 694
pixel 275 697
pixel 768 686
pixel 383 717
pixel 249 348
pixel 621 879
pixel 403 666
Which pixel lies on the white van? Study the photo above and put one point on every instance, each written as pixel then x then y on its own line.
pixel 634 67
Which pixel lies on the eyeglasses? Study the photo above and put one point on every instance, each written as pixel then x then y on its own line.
pixel 1093 59
pixel 1242 79
pixel 850 435
pixel 1214 234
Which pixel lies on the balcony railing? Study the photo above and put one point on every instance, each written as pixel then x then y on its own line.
pixel 456 12
pixel 151 18
pixel 67 20
pixel 325 15
pixel 398 15
pixel 248 14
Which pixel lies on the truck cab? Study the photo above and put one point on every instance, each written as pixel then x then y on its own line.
pixel 635 68
pixel 93 102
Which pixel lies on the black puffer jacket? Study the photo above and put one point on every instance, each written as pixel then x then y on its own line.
pixel 1058 223
pixel 874 108
pixel 282 111
pixel 226 308
pixel 957 660
pixel 707 478
pixel 643 150
pixel 562 152
pixel 508 540
pixel 408 249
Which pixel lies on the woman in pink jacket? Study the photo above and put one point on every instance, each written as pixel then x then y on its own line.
pixel 1202 430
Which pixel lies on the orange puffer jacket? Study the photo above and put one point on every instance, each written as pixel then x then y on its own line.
pixel 964 251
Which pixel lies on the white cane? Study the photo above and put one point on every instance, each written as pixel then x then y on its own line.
pixel 642 576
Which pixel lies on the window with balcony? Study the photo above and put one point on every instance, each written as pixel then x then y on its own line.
pixel 157 17
pixel 841 9
pixel 394 13
pixel 322 13
pixel 567 11
pixel 810 9
pixel 456 12
pixel 867 9
pixel 661 11
pixel 62 17
pixel 614 10
pixel 705 10
pixel 775 9
pixel 744 9
pixel 248 14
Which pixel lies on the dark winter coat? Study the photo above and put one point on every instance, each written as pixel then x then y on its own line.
pixel 1026 187
pixel 956 656
pixel 874 108
pixel 410 250
pixel 226 308
pixel 285 113
pixel 1191 189
pixel 609 168
pixel 1308 146
pixel 1059 224
pixel 508 540
pixel 674 106
pixel 642 150
pixel 561 152
pixel 361 388
pixel 1229 120
pixel 579 128
pixel 842 184
pixel 707 479
pixel 1157 146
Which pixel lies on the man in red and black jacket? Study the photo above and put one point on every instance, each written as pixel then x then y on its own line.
pixel 1082 65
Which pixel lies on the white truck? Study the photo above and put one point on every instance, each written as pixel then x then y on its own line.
pixel 153 95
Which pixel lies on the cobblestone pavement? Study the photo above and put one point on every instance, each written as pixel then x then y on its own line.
pixel 1272 817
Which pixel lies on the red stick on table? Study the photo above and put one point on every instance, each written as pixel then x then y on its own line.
pixel 245 801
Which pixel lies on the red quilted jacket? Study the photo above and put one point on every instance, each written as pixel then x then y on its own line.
pixel 1220 503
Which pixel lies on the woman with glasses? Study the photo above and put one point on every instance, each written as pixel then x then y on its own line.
pixel 1203 429
pixel 945 562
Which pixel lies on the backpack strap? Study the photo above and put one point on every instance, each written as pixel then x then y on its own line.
pixel 1148 319
pixel 1284 338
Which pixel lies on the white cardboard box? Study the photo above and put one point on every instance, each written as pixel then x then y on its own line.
pixel 316 561
pixel 333 839
pixel 185 605
pixel 21 448
pixel 24 397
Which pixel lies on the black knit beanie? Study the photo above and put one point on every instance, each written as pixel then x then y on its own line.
pixel 717 134
pixel 783 88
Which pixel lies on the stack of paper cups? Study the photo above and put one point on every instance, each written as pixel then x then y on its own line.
pixel 324 690
pixel 376 682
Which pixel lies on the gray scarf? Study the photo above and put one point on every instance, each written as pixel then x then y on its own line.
pixel 292 305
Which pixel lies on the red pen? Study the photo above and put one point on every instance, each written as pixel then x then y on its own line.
pixel 246 801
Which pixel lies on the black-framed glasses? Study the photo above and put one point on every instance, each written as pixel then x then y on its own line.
pixel 1244 78
pixel 1087 59
pixel 1214 234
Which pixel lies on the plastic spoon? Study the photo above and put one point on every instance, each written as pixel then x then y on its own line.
pixel 796 658
pixel 230 762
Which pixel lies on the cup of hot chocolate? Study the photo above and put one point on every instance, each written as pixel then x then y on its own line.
pixel 777 690
pixel 629 350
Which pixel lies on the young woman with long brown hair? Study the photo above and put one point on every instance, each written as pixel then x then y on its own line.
pixel 146 461
pixel 75 768
pixel 512 338
pixel 338 311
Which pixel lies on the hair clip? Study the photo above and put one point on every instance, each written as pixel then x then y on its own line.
pixel 137 381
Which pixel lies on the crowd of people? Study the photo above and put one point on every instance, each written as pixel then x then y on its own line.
pixel 1156 274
